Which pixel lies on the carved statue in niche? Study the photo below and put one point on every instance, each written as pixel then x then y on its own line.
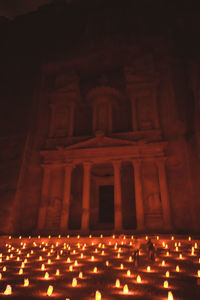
pixel 154 203
pixel 145 112
pixel 102 116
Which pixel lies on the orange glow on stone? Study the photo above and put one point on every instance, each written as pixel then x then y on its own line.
pixel 50 290
pixel 125 289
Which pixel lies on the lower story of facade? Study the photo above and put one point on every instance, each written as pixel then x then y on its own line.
pixel 114 192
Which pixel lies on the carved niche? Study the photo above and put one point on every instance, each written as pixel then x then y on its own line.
pixel 102 100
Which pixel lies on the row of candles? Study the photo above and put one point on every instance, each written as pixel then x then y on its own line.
pixel 98 296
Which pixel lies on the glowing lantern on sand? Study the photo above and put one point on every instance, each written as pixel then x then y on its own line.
pixel 148 269
pixel 125 289
pixel 8 290
pixel 138 279
pixel 167 274
pixel 170 296
pixel 165 284
pixel 177 269
pixel 20 271
pixel 128 273
pixel 26 282
pixel 0 276
pixel 97 295
pixel 74 282
pixel 46 276
pixel 117 283
pixel 57 272
pixel 198 273
pixel 50 290
pixel 80 275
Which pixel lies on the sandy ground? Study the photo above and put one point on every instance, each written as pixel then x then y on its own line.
pixel 61 253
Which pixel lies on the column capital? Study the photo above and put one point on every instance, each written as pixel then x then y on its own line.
pixel 116 163
pixel 46 166
pixel 69 164
pixel 87 164
pixel 161 160
pixel 137 162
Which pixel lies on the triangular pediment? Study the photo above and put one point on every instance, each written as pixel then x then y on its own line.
pixel 101 141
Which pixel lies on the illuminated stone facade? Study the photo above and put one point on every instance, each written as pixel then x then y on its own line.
pixel 112 141
pixel 103 157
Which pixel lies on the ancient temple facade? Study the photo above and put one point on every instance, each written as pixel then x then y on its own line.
pixel 106 150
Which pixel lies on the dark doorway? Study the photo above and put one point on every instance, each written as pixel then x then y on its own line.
pixel 106 204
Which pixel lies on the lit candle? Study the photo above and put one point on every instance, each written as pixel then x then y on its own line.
pixel 50 290
pixel 177 269
pixel 121 266
pixel 167 274
pixel 95 270
pixel 26 282
pixel 128 273
pixel 148 269
pixel 46 275
pixel 80 275
pixel 165 284
pixel 20 271
pixel 57 272
pixel 8 290
pixel 117 283
pixel 125 289
pixel 74 282
pixel 97 295
pixel 138 279
pixel 170 296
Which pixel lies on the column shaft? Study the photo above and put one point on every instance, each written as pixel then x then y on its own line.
pixel 66 198
pixel 164 194
pixel 134 114
pixel 138 194
pixel 86 197
pixel 117 196
pixel 44 198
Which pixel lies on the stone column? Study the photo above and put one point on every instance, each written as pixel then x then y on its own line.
pixel 117 195
pixel 71 120
pixel 110 118
pixel 52 121
pixel 138 194
pixel 44 197
pixel 134 114
pixel 86 197
pixel 164 193
pixel 66 198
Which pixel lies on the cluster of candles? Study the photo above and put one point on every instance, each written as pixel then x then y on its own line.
pixel 111 252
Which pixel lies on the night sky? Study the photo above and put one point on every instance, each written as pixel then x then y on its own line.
pixel 12 8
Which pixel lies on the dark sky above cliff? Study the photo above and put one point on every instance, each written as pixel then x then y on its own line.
pixel 12 8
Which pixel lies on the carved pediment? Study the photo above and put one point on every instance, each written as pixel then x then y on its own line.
pixel 100 141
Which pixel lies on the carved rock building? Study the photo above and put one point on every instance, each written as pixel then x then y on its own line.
pixel 107 149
